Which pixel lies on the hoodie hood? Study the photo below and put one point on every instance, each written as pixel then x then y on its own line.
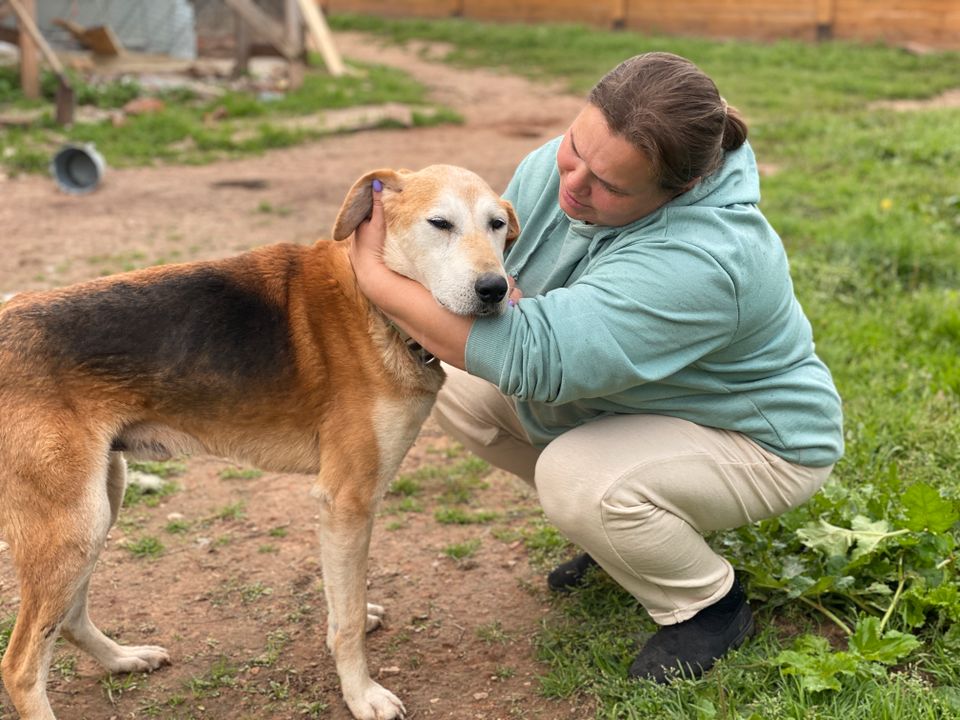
pixel 737 182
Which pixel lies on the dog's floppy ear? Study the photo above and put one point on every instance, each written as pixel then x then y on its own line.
pixel 513 224
pixel 356 206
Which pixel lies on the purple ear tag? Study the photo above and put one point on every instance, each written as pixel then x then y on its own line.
pixel 377 185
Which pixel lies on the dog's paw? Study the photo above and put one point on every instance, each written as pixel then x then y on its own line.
pixel 374 616
pixel 137 658
pixel 375 702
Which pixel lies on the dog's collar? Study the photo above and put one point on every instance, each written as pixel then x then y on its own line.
pixel 422 355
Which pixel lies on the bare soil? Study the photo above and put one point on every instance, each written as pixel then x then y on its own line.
pixel 237 598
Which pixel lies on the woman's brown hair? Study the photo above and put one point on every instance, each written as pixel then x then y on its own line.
pixel 672 112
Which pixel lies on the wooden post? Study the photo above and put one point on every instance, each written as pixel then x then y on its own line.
pixel 29 55
pixel 293 20
pixel 826 14
pixel 241 46
pixel 618 14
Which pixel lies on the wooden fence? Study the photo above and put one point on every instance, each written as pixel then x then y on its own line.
pixel 933 23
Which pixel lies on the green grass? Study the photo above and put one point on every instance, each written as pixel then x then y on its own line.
pixel 867 201
pixel 179 132
pixel 145 547
pixel 463 550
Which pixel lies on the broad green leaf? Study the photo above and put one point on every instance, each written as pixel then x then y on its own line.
pixel 925 509
pixel 815 666
pixel 888 648
pixel 836 541
pixel 830 539
pixel 868 535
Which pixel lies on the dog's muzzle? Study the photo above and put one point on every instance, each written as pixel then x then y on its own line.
pixel 491 288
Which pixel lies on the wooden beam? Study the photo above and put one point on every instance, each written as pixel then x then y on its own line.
pixel 293 24
pixel 320 32
pixel 263 25
pixel 29 51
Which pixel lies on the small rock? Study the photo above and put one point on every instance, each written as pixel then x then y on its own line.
pixel 391 670
pixel 481 696
pixel 175 516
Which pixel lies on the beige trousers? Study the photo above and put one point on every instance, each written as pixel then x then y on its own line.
pixel 637 492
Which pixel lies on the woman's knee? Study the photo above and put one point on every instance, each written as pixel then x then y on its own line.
pixel 567 495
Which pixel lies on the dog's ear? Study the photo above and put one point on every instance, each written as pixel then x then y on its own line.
pixel 356 206
pixel 513 224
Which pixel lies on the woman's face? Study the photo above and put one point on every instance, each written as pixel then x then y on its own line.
pixel 604 179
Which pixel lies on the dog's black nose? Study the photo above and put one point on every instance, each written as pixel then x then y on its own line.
pixel 491 287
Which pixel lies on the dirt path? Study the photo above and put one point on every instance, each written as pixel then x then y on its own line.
pixel 235 593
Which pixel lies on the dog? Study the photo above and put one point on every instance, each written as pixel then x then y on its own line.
pixel 272 358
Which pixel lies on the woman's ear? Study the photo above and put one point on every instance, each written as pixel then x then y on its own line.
pixel 513 224
pixel 359 201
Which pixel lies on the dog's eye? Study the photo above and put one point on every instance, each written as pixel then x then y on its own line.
pixel 440 223
pixel 497 223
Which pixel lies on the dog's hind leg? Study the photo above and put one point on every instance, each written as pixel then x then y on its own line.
pixel 346 521
pixel 77 626
pixel 56 516
pixel 60 520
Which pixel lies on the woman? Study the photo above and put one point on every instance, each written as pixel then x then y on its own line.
pixel 656 379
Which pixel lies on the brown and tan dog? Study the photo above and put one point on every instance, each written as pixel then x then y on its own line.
pixel 272 358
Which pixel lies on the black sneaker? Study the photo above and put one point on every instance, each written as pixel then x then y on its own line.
pixel 690 648
pixel 566 576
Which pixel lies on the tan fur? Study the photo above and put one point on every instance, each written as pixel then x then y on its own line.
pixel 273 358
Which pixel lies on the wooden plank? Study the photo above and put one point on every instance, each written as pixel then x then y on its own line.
pixel 100 38
pixel 263 25
pixel 396 8
pixel 29 52
pixel 571 11
pixel 321 33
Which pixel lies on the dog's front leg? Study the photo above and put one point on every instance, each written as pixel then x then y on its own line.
pixel 345 526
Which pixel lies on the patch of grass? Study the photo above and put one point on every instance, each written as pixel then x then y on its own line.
pixel 6 624
pixel 177 527
pixel 137 495
pixel 221 675
pixel 277 640
pixel 458 516
pixel 253 592
pixel 179 132
pixel 145 547
pixel 162 468
pixel 462 551
pixel 493 633
pixel 233 511
pixel 238 473
pixel 278 532
pixel 406 485
pixel 116 686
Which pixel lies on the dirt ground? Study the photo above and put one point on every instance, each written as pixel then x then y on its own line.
pixel 236 598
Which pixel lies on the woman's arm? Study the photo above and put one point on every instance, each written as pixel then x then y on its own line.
pixel 410 305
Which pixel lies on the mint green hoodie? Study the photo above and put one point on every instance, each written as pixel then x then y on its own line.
pixel 688 312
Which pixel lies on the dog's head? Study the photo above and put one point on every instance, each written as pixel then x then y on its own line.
pixel 446 229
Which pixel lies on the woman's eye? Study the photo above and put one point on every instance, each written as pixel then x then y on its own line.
pixel 440 223
pixel 497 223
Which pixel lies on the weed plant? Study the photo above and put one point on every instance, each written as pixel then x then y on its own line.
pixel 856 593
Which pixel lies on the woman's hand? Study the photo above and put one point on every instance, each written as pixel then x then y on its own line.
pixel 406 302
pixel 366 249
